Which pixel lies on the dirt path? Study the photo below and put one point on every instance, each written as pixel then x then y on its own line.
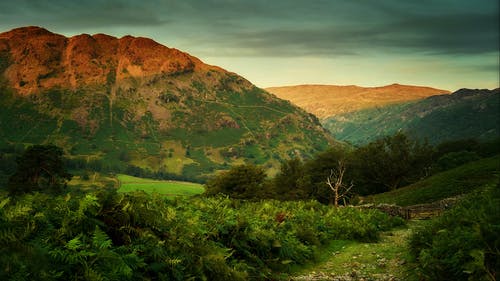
pixel 385 260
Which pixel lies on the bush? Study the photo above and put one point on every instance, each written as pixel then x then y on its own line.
pixel 463 244
pixel 242 181
pixel 454 159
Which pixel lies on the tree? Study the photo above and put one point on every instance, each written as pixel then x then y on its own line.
pixel 336 182
pixel 288 183
pixel 319 168
pixel 390 163
pixel 242 181
pixel 39 168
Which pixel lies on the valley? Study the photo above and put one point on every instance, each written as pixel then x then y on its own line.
pixel 124 159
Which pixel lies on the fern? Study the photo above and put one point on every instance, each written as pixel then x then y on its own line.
pixel 100 240
pixel 92 275
pixel 75 243
pixel 8 235
pixel 19 211
pixel 86 204
pixel 4 202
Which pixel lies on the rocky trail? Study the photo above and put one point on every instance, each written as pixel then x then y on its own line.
pixel 385 260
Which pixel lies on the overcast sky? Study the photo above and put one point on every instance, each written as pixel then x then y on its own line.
pixel 448 44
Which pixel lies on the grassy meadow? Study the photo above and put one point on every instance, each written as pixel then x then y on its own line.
pixel 164 187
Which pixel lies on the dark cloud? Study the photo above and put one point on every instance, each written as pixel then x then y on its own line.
pixel 325 28
pixel 283 27
pixel 452 34
pixel 78 14
pixel 448 34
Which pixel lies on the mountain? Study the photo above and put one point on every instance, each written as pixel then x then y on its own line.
pixel 327 100
pixel 130 102
pixel 465 113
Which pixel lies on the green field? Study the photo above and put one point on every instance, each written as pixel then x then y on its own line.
pixel 169 188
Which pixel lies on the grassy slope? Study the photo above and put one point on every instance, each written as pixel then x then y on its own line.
pixel 193 142
pixel 171 188
pixel 457 116
pixel 446 184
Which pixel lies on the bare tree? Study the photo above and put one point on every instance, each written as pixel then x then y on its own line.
pixel 336 184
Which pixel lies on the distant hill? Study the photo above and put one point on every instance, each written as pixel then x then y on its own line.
pixel 464 114
pixel 327 100
pixel 122 102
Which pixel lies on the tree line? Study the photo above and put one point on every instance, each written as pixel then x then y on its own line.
pixel 342 173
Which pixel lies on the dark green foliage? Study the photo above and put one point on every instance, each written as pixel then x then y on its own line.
pixel 454 159
pixel 379 166
pixel 115 236
pixel 383 165
pixel 464 243
pixel 40 168
pixel 390 163
pixel 319 168
pixel 7 167
pixel 243 181
pixel 488 148
pixel 451 154
pixel 289 182
pixel 446 147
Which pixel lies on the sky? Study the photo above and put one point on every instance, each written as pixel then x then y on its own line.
pixel 447 44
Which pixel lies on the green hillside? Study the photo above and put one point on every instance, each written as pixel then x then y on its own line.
pixel 463 114
pixel 183 123
pixel 203 136
pixel 457 181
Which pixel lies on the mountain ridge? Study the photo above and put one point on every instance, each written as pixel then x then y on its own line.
pixel 329 100
pixel 45 59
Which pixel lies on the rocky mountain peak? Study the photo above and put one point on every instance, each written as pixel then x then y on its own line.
pixel 44 59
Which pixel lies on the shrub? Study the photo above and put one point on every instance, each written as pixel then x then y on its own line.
pixel 463 244
pixel 242 181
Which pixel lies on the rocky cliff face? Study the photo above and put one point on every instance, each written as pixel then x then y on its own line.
pixel 42 59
